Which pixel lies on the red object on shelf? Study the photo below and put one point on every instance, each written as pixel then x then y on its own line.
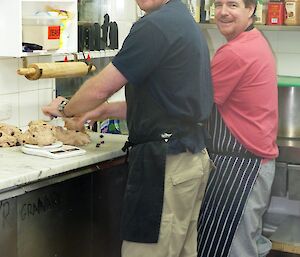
pixel 53 32
pixel 275 13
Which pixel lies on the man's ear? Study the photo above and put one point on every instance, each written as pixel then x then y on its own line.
pixel 252 10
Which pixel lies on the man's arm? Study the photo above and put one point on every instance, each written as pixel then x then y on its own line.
pixel 104 111
pixel 91 94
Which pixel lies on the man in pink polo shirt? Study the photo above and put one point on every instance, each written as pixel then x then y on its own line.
pixel 244 130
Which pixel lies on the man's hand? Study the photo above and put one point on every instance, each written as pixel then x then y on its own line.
pixel 51 109
pixel 75 123
pixel 102 112
pixel 78 122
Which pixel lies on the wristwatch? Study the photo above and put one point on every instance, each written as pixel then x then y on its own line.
pixel 61 107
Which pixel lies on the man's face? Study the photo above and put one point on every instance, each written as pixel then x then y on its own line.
pixel 150 5
pixel 232 17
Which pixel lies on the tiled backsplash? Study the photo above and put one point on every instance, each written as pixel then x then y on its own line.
pixel 21 99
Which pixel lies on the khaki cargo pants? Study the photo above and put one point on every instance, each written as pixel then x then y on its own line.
pixel 185 181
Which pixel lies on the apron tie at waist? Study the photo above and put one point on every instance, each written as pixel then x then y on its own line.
pixel 166 136
pixel 126 146
pixel 163 137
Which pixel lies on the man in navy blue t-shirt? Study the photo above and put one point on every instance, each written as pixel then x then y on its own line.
pixel 165 67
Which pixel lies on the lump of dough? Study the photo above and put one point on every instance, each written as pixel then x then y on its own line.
pixel 40 135
pixel 10 135
pixel 7 140
pixel 71 137
pixel 41 123
pixel 10 129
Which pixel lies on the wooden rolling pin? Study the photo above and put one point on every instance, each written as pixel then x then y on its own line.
pixel 36 71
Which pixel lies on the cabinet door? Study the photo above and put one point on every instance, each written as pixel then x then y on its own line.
pixel 279 187
pixel 10 28
pixel 56 220
pixel 8 227
pixel 13 11
pixel 294 182
pixel 108 191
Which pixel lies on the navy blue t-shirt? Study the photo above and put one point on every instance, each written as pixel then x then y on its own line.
pixel 166 52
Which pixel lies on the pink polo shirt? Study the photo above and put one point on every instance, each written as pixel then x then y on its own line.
pixel 245 91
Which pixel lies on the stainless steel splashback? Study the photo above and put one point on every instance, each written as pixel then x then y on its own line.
pixel 289 112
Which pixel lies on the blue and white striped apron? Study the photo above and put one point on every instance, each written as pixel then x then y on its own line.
pixel 227 191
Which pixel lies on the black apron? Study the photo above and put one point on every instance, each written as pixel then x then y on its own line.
pixel 143 202
pixel 227 191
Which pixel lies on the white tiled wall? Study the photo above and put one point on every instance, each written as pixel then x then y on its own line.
pixel 21 99
pixel 285 45
pixel 124 13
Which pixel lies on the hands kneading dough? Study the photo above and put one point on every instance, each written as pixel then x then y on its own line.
pixel 41 133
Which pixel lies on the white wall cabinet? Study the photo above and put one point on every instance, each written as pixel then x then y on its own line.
pixel 11 14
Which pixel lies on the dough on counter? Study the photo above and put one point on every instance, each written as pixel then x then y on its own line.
pixel 40 123
pixel 10 135
pixel 10 129
pixel 71 137
pixel 39 133
pixel 7 140
pixel 42 133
